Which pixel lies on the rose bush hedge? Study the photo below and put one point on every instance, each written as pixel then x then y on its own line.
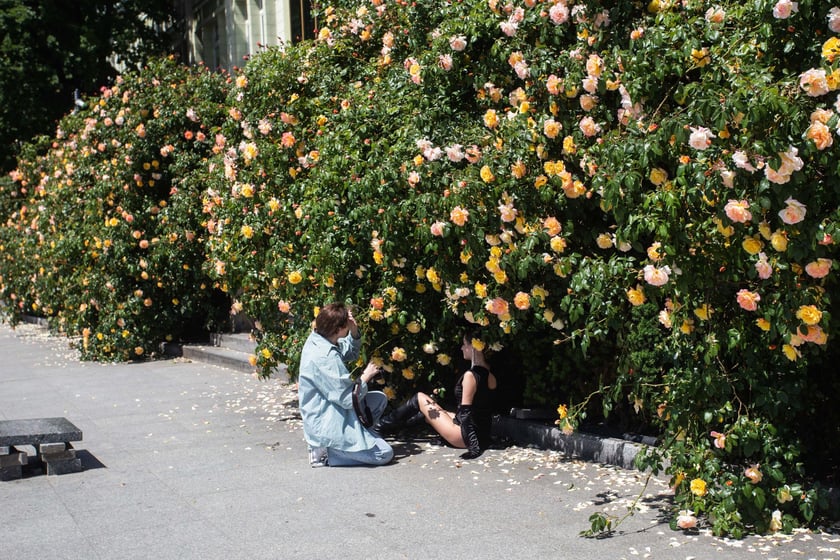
pixel 636 201
pixel 642 192
pixel 102 230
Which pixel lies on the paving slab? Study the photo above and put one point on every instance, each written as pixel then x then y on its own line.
pixel 189 460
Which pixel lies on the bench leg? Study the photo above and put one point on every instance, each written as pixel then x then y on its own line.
pixel 11 463
pixel 59 458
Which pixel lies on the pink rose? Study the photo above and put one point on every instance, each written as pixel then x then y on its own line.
pixel 656 276
pixel 720 440
pixel 764 268
pixel 701 137
pixel 497 306
pixel 458 43
pixel 784 9
pixel 437 228
pixel 834 20
pixel 589 127
pixel 559 13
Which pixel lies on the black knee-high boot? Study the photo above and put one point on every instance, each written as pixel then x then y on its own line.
pixel 407 413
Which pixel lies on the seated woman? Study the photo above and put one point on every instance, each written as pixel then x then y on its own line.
pixel 469 426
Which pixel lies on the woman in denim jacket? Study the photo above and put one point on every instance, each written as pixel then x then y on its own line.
pixel 331 426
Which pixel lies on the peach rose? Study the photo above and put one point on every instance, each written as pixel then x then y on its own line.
pixel 793 213
pixel 686 519
pixel 497 306
pixel 820 134
pixel 589 127
pixel 552 226
pixel 459 216
pixel 813 82
pixel 522 301
pixel 818 268
pixel 748 300
pixel 738 211
pixel 754 474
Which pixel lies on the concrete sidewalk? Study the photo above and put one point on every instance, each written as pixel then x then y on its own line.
pixel 187 460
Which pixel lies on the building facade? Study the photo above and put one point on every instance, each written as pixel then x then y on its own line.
pixel 222 33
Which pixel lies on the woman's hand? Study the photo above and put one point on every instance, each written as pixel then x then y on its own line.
pixel 371 370
pixel 353 326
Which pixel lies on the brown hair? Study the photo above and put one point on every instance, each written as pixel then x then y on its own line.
pixel 331 318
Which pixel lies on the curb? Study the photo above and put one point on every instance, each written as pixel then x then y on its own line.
pixel 580 445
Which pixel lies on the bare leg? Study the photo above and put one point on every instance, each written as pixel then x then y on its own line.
pixel 441 420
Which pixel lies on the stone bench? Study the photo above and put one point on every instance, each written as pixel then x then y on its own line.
pixel 51 439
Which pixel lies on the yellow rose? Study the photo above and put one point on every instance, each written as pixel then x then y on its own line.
pixel 636 295
pixel 413 327
pixel 562 411
pixel 658 176
pixel 698 487
pixel 487 174
pixel 790 352
pixel 604 241
pixel 809 314
pixel 295 277
pixel 481 290
pixel 779 241
pixel 752 245
pixel 703 312
pixel 763 324
pixel 831 49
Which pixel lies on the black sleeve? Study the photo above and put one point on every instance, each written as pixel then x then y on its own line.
pixel 464 418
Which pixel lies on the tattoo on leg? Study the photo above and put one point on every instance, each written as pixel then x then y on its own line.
pixel 433 410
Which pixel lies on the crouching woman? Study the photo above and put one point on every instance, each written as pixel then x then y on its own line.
pixel 331 426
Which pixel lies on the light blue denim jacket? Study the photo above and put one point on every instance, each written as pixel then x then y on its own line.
pixel 325 392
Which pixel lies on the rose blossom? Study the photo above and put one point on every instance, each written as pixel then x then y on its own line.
pixel 793 213
pixel 445 62
pixel 820 134
pixel 454 152
pixel 738 211
pixel 559 13
pixel 814 82
pixel 720 439
pixel 459 216
pixel 784 9
pixel 747 300
pixel 686 519
pixel 553 84
pixel 509 28
pixel 834 20
pixel 458 43
pixel 437 228
pixel 589 127
pixel 701 137
pixel 742 161
pixel 764 268
pixel 656 276
pixel 497 306
pixel 754 474
pixel 715 15
pixel 818 268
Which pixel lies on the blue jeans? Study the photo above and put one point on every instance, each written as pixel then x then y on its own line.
pixel 380 454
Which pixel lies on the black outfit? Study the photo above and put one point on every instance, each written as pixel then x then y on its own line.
pixel 475 419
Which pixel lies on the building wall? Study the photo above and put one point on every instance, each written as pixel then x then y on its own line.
pixel 222 33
